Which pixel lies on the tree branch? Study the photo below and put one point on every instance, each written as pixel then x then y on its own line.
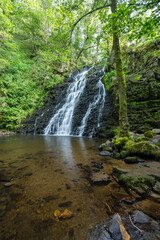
pixel 105 6
pixel 96 9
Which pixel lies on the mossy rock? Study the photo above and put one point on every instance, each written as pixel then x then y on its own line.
pixel 141 185
pixel 119 143
pixel 131 160
pixel 142 149
pixel 149 134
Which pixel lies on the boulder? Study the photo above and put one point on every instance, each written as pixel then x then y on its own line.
pixel 135 226
pixel 106 153
pixel 155 140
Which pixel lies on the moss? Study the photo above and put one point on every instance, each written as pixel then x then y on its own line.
pixel 143 149
pixel 119 143
pixel 140 185
pixel 148 134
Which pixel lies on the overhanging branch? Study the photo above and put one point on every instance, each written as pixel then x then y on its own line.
pixel 105 6
pixel 96 9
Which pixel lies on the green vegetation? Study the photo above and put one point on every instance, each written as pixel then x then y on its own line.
pixel 41 42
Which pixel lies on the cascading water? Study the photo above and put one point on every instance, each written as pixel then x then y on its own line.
pixel 99 100
pixel 63 120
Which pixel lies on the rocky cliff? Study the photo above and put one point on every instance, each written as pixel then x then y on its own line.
pixel 142 68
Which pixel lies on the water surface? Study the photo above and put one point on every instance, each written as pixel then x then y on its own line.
pixel 50 173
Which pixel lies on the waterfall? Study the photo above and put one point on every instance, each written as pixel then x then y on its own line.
pixel 98 101
pixel 62 121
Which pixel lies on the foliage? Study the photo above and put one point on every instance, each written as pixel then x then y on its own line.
pixel 36 51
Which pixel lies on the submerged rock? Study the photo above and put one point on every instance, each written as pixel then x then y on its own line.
pixel 131 160
pixel 99 177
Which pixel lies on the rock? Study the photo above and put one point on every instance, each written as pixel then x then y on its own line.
pixel 114 228
pixel 156 131
pixel 131 160
pixel 154 196
pixel 118 171
pixel 156 188
pixel 119 143
pixel 123 154
pixel 106 153
pixel 9 184
pixel 141 149
pixel 105 146
pixel 139 217
pixel 128 200
pixel 97 165
pixel 138 181
pixel 155 140
pixel 99 177
pixel 117 155
pixel 5 178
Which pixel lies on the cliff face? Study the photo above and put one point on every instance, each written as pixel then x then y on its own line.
pixel 56 99
pixel 142 68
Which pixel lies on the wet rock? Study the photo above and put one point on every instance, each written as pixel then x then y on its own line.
pixel 140 182
pixel 9 184
pixel 154 196
pixel 131 160
pixel 120 227
pixel 106 153
pixel 156 131
pixel 99 177
pixel 97 165
pixel 139 217
pixel 156 188
pixel 65 204
pixel 68 186
pixel 155 140
pixel 4 178
pixel 105 146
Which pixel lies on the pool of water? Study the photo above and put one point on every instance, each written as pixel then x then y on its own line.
pixel 49 173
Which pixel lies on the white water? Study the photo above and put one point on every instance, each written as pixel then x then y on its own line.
pixel 99 100
pixel 61 122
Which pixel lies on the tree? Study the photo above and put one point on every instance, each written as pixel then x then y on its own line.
pixel 123 117
pixel 123 14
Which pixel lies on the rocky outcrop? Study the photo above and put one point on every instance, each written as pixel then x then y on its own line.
pixel 56 98
pixel 135 226
pixel 143 91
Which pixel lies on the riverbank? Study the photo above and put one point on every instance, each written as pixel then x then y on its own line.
pixel 8 133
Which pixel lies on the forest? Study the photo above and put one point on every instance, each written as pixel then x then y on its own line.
pixel 79 120
pixel 43 41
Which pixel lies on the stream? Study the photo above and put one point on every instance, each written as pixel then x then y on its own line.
pixel 46 173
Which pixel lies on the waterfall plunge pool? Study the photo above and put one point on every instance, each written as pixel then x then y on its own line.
pixel 49 173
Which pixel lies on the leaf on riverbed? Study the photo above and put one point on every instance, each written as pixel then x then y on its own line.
pixel 125 235
pixel 66 214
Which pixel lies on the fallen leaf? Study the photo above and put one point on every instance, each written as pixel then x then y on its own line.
pixel 64 215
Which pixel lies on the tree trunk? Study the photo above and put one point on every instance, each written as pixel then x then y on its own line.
pixel 123 118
